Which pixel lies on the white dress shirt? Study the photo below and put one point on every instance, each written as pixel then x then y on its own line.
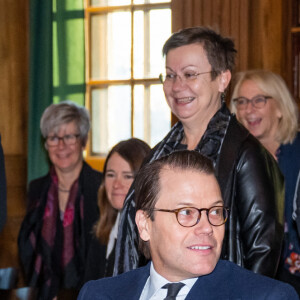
pixel 153 291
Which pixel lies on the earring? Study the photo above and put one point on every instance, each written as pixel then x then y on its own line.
pixel 223 96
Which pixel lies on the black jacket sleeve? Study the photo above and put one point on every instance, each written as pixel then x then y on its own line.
pixel 260 193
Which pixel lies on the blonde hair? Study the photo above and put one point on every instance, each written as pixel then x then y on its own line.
pixel 274 86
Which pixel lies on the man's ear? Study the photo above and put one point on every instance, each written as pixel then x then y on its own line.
pixel 224 79
pixel 142 222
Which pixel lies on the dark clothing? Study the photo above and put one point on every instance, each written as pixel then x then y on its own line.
pixel 251 186
pixel 289 164
pixel 97 266
pixel 46 265
pixel 227 281
pixel 296 215
pixel 2 189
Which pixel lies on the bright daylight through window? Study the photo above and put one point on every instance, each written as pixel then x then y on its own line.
pixel 124 59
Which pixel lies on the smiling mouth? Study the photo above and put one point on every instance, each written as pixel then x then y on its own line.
pixel 62 156
pixel 119 195
pixel 184 100
pixel 254 122
pixel 200 247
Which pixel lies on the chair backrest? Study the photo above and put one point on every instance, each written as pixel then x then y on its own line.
pixel 24 293
pixel 8 278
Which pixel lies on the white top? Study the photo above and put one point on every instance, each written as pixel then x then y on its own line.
pixel 153 291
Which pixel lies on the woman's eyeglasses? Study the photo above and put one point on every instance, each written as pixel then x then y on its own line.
pixel 185 78
pixel 68 139
pixel 258 101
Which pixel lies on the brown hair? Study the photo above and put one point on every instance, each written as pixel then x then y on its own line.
pixel 147 184
pixel 133 151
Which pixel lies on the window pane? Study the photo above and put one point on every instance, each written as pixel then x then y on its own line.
pixel 150 1
pixel 139 45
pixel 139 113
pixel 109 2
pixel 152 116
pixel 160 31
pixel 151 30
pixel 111 44
pixel 111 117
pixel 160 114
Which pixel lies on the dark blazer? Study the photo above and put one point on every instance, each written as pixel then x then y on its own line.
pixel 2 189
pixel 227 281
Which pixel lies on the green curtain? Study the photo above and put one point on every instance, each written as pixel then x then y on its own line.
pixel 57 69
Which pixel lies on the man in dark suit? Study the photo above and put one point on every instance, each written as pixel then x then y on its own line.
pixel 2 189
pixel 181 220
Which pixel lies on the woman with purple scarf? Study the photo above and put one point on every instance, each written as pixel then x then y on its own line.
pixel 62 206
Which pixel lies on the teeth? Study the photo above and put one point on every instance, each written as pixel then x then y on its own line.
pixel 200 247
pixel 185 100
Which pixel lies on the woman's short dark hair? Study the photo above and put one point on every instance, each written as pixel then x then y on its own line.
pixel 220 51
pixel 147 183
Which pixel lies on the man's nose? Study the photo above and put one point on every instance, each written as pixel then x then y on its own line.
pixel 203 226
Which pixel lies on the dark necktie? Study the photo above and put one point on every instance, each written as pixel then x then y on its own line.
pixel 173 290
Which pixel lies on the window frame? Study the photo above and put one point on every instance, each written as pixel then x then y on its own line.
pixel 90 11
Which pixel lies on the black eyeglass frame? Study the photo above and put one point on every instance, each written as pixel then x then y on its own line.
pixel 63 138
pixel 176 211
pixel 235 100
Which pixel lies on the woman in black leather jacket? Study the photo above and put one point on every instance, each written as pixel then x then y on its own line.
pixel 199 63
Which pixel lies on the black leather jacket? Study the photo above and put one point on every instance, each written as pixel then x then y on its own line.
pixel 253 188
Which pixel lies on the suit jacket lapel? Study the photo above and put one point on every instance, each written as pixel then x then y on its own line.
pixel 134 291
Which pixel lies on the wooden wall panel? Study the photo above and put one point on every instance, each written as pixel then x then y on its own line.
pixel 14 70
pixel 256 27
pixel 266 35
pixel 229 17
pixel 13 119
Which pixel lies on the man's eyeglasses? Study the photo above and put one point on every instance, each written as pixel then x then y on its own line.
pixel 190 216
pixel 258 101
pixel 68 139
pixel 185 78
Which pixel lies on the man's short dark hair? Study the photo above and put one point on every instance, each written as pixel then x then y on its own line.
pixel 220 51
pixel 147 184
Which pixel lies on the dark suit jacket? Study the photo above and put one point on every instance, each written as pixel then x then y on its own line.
pixel 2 189
pixel 227 281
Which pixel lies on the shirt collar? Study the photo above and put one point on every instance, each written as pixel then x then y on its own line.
pixel 156 281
